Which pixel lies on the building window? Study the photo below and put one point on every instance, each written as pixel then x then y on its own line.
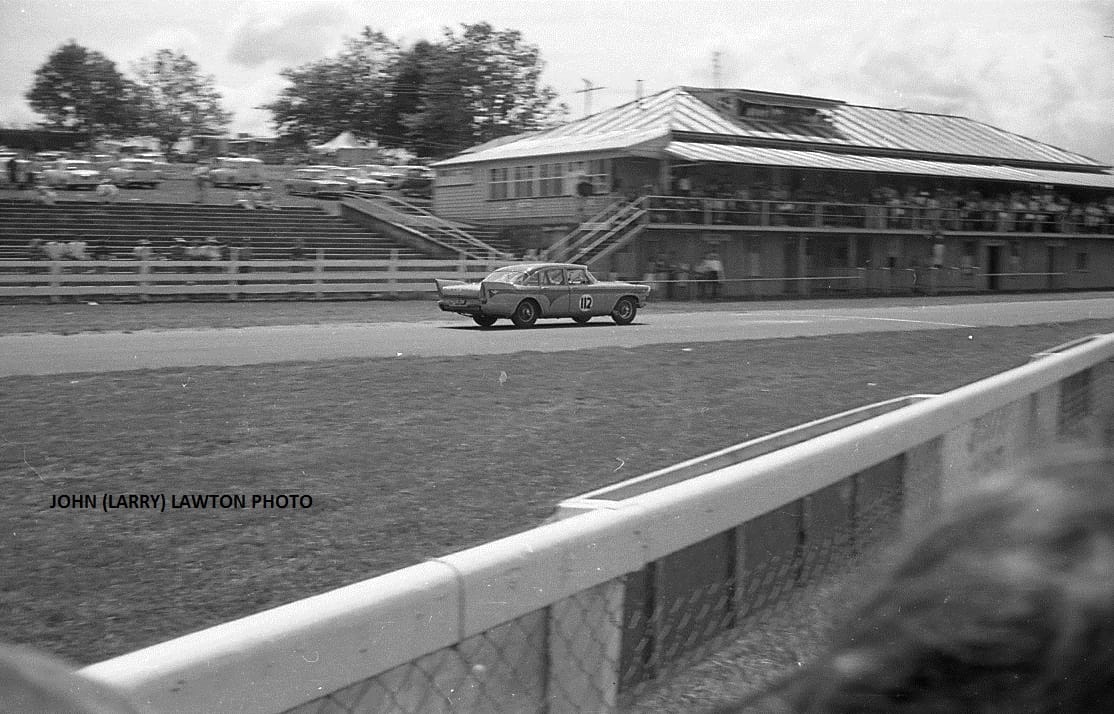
pixel 523 181
pixel 454 177
pixel 596 172
pixel 551 180
pixel 499 181
pixel 1080 261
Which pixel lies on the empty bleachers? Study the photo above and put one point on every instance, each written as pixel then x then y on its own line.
pixel 120 226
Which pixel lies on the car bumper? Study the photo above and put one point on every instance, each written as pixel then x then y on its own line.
pixel 468 308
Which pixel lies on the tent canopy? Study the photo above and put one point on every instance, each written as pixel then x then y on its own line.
pixel 344 140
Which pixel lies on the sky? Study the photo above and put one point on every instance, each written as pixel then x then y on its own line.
pixel 1040 68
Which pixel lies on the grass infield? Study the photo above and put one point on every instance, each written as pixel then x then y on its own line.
pixel 404 459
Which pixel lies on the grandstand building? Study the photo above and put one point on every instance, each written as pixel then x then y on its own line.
pixel 795 194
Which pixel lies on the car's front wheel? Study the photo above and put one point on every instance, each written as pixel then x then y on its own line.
pixel 526 314
pixel 485 320
pixel 624 311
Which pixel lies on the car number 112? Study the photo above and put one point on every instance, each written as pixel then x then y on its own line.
pixel 585 302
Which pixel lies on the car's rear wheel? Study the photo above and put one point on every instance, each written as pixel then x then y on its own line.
pixel 624 311
pixel 581 319
pixel 526 314
pixel 485 320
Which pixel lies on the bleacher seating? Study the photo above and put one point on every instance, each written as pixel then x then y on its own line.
pixel 121 225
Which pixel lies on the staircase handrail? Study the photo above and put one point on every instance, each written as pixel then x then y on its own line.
pixel 454 240
pixel 621 216
pixel 616 229
pixel 432 220
pixel 387 213
pixel 603 217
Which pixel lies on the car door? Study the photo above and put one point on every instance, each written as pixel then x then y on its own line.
pixel 554 292
pixel 583 300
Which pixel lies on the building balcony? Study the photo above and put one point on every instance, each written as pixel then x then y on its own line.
pixel 740 214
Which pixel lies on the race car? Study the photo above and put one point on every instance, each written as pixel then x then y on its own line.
pixel 525 292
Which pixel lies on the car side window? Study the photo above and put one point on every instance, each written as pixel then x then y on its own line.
pixel 577 277
pixel 531 279
pixel 555 276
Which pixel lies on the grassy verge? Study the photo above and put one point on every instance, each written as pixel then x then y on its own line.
pixel 404 460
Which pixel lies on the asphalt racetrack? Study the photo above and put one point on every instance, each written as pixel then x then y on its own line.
pixel 443 334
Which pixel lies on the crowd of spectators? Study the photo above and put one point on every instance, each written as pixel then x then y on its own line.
pixel 1042 210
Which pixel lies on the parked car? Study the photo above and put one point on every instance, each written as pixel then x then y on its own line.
pixel 528 291
pixel 381 172
pixel 357 179
pixel 417 184
pixel 400 174
pixel 135 172
pixel 235 171
pixel 71 174
pixel 316 182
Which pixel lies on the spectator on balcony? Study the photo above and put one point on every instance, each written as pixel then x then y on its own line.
pixel 782 205
pixel 897 210
pixel 1006 604
pixel 1093 217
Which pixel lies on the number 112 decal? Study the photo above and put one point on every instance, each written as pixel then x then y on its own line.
pixel 585 302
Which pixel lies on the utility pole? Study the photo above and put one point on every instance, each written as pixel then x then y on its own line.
pixel 715 70
pixel 638 92
pixel 587 92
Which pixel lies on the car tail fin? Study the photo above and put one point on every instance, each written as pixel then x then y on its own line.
pixel 441 282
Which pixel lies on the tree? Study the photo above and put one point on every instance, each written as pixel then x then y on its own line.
pixel 484 84
pixel 80 89
pixel 346 92
pixel 434 98
pixel 175 99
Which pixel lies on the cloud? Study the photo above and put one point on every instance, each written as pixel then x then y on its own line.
pixel 292 40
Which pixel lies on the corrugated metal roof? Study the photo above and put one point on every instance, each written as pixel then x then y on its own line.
pixel 546 144
pixel 862 128
pixel 755 155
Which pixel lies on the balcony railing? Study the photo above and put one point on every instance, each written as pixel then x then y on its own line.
pixel 728 212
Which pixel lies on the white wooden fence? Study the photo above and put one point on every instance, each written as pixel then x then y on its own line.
pixel 232 279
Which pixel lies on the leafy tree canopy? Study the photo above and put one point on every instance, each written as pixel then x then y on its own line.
pixel 175 99
pixel 484 84
pixel 80 89
pixel 434 98
pixel 345 92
